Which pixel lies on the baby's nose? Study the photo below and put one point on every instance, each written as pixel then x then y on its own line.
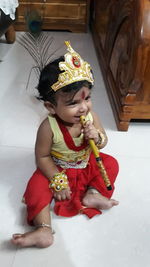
pixel 83 107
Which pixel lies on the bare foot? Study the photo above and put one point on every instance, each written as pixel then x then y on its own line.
pixel 42 237
pixel 96 200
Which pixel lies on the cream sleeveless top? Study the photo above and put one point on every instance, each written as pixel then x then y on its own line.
pixel 61 154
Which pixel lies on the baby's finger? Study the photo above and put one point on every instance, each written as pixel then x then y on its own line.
pixel 58 196
pixel 87 123
pixel 55 195
pixel 68 194
pixel 63 196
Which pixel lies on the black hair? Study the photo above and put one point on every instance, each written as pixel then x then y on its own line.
pixel 49 76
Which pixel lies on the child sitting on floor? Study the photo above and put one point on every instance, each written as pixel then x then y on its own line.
pixel 66 167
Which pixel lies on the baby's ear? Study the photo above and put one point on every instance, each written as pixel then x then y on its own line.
pixel 50 107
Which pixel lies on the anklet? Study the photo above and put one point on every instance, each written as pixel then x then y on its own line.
pixel 92 190
pixel 46 225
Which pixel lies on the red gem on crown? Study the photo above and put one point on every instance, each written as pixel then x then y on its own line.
pixel 76 62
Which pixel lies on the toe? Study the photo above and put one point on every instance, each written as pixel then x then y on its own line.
pixel 115 202
pixel 15 236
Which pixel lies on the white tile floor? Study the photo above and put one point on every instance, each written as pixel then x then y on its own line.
pixel 119 237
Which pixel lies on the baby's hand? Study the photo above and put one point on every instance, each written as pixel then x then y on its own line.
pixel 90 132
pixel 63 194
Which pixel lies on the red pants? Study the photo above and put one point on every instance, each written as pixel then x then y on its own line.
pixel 38 194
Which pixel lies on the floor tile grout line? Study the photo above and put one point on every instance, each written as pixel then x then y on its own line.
pixel 13 261
pixel 17 147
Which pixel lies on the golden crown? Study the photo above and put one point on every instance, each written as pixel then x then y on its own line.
pixel 74 69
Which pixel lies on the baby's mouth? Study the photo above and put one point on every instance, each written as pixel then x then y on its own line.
pixel 84 115
pixel 77 118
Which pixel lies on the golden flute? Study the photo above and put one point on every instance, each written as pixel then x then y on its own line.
pixel 99 162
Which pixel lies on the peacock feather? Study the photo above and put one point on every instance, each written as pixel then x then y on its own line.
pixel 38 47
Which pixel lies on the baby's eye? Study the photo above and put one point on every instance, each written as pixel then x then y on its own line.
pixel 88 97
pixel 72 103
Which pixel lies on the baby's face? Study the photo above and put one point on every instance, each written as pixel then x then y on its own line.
pixel 69 108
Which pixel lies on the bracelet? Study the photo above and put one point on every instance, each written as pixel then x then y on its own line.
pixel 101 139
pixel 59 181
pixel 45 225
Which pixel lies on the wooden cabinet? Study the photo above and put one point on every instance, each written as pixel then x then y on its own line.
pixel 69 15
pixel 121 35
